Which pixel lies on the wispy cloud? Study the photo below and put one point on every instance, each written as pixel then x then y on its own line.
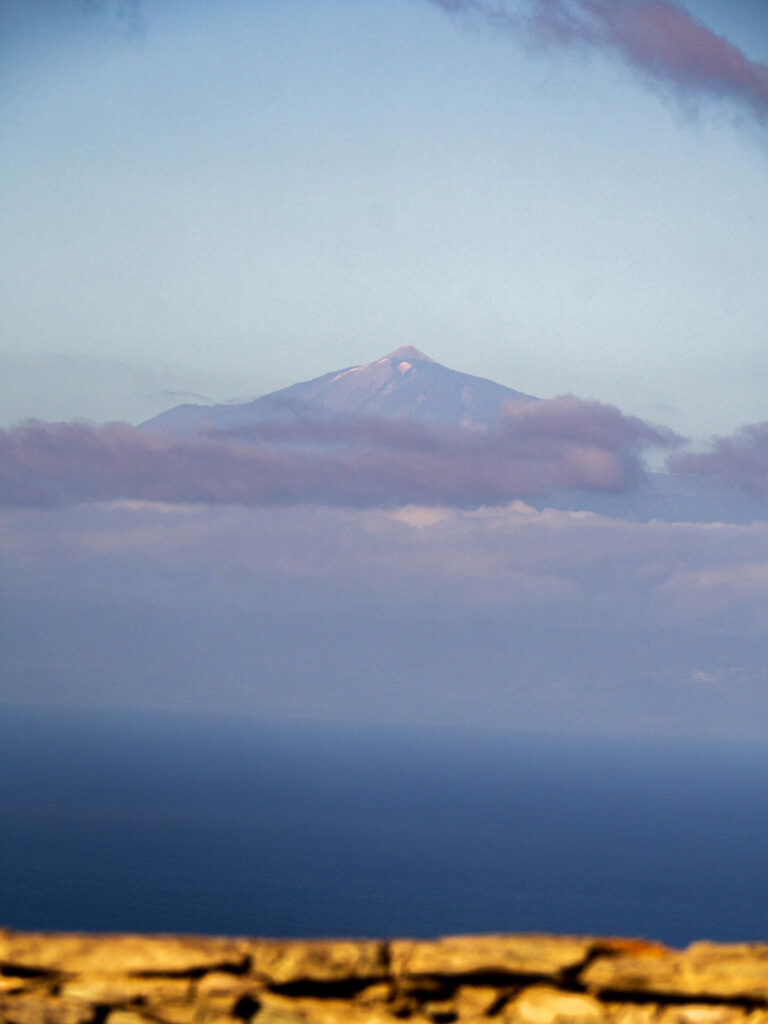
pixel 166 393
pixel 119 17
pixel 657 38
pixel 331 460
pixel 738 461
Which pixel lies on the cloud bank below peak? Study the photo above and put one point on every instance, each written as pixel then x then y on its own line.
pixel 737 462
pixel 658 39
pixel 333 460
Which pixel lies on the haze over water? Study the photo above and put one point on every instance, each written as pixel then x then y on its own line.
pixel 178 822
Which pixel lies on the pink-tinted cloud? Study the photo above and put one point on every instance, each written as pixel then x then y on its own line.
pixel 495 615
pixel 331 461
pixel 657 38
pixel 738 462
pixel 597 572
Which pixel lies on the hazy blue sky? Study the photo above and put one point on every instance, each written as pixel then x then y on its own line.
pixel 223 198
pixel 567 196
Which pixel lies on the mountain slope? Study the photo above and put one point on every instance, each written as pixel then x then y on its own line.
pixel 406 384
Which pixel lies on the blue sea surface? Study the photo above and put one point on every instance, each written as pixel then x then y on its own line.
pixel 188 823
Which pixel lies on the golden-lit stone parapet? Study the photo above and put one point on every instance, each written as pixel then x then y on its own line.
pixel 546 955
pixel 117 954
pixel 511 979
pixel 704 969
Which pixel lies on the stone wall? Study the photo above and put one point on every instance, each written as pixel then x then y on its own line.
pixel 530 979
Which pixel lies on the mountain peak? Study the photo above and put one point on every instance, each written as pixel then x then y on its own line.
pixel 404 385
pixel 408 352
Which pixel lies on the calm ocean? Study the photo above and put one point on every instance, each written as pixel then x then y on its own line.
pixel 177 822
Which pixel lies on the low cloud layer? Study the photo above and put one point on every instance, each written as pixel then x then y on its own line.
pixel 505 615
pixel 511 559
pixel 738 462
pixel 562 443
pixel 656 38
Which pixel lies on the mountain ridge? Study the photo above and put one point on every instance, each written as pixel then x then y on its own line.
pixel 404 384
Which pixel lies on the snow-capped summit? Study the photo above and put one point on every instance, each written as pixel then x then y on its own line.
pixel 405 384
pixel 408 352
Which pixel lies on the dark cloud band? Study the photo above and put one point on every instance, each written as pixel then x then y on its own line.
pixel 541 446
pixel 737 462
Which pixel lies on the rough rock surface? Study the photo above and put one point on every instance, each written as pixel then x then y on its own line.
pixel 513 979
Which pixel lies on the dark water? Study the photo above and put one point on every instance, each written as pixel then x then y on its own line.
pixel 161 822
